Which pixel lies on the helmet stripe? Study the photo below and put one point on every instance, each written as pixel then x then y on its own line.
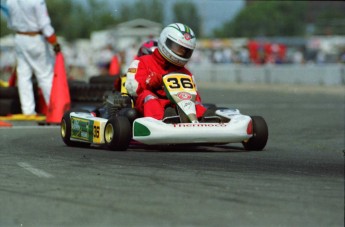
pixel 184 29
pixel 187 28
pixel 178 28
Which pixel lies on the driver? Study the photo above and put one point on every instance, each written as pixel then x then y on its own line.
pixel 147 48
pixel 144 76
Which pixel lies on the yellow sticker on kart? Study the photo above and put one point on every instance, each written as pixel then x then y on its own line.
pixel 123 85
pixel 179 82
pixel 97 132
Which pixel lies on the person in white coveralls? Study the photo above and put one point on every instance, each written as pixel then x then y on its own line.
pixel 30 20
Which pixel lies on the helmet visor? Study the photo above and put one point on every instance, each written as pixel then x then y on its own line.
pixel 178 49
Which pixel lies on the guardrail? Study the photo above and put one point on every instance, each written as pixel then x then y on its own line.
pixel 325 75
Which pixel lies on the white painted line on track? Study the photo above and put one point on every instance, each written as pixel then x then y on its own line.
pixel 35 171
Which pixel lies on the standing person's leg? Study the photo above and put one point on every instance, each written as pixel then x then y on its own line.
pixel 42 63
pixel 24 75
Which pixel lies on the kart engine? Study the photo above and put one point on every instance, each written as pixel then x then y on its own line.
pixel 115 101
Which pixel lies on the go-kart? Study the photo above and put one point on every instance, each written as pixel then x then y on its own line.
pixel 119 123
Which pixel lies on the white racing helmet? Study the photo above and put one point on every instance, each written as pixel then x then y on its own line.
pixel 176 43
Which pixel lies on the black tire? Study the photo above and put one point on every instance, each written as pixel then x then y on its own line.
pixel 74 88
pixel 260 135
pixel 118 133
pixel 102 79
pixel 9 106
pixel 9 93
pixel 65 130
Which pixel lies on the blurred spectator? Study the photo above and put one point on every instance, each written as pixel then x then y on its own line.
pixel 298 57
pixel 217 56
pixel 103 60
pixel 244 55
pixel 320 57
pixel 227 55
pixel 342 56
pixel 130 54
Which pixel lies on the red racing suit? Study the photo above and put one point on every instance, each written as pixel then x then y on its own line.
pixel 144 81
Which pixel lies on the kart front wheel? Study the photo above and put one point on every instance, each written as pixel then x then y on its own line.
pixel 65 129
pixel 260 135
pixel 118 133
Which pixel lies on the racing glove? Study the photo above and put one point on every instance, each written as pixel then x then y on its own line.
pixel 53 41
pixel 57 48
pixel 154 81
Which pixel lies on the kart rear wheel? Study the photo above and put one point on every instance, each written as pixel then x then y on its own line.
pixel 65 129
pixel 118 133
pixel 260 135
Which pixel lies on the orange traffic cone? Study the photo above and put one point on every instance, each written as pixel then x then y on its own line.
pixel 12 81
pixel 60 100
pixel 114 68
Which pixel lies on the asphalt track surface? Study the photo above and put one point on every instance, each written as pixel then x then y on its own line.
pixel 297 180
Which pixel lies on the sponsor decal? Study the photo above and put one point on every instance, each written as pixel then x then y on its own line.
pixel 184 96
pixel 81 129
pixel 84 135
pixel 199 125
pixel 132 70
pixel 187 105
pixel 75 125
pixel 187 36
pixel 141 130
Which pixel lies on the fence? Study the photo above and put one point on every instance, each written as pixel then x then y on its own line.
pixel 325 75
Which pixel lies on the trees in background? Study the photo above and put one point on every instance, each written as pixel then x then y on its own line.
pixel 78 18
pixel 266 18
pixel 149 9
pixel 286 18
pixel 187 13
pixel 74 20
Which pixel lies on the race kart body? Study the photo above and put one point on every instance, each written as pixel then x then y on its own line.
pixel 118 126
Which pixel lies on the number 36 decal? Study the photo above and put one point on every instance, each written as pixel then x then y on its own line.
pixel 178 82
pixel 96 131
